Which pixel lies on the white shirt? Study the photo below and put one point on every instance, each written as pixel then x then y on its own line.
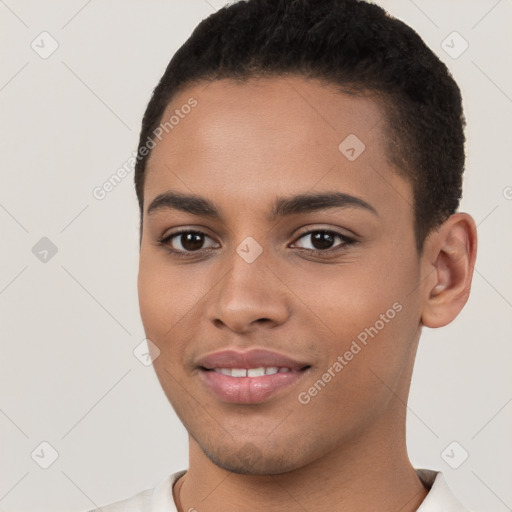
pixel 159 499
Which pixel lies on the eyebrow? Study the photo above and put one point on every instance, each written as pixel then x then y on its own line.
pixel 282 207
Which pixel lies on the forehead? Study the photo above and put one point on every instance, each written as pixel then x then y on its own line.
pixel 271 136
pixel 285 110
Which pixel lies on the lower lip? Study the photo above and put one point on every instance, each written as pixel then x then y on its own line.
pixel 248 390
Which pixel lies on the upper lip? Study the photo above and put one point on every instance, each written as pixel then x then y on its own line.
pixel 253 358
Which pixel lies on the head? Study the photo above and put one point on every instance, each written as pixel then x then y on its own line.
pixel 326 142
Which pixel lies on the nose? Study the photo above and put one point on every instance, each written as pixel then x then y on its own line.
pixel 249 295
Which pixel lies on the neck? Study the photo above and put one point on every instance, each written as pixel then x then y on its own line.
pixel 371 472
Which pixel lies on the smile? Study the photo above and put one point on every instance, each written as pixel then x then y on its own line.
pixel 250 385
pixel 251 372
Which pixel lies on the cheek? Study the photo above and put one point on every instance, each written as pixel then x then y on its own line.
pixel 343 301
pixel 171 301
pixel 161 307
pixel 162 298
pixel 153 298
pixel 367 316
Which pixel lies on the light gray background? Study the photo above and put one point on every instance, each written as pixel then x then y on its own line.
pixel 69 326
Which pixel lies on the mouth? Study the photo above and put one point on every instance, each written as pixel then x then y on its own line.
pixel 250 377
pixel 250 372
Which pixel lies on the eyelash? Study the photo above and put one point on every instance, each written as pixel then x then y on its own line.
pixel 164 242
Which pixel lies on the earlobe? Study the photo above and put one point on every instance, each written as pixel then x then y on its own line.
pixel 451 258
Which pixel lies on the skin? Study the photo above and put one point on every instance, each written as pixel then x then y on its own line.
pixel 242 146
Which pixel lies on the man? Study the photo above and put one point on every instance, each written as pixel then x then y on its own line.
pixel 299 173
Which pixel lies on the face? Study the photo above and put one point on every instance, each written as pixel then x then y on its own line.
pixel 270 244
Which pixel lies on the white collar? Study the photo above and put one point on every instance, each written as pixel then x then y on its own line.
pixel 440 496
pixel 439 499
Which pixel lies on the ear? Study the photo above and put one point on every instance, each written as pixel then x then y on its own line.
pixel 448 261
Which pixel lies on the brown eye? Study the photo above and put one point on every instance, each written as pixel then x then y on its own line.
pixel 191 241
pixel 186 242
pixel 323 240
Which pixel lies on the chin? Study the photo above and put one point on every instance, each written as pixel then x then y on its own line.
pixel 250 460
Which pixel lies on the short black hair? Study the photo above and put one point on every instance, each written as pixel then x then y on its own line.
pixel 354 45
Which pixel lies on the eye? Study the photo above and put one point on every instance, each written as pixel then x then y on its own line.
pixel 184 242
pixel 189 243
pixel 322 241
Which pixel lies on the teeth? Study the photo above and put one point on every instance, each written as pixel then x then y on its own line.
pixel 251 372
pixel 256 372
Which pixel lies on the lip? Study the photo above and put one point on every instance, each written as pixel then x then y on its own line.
pixel 249 390
pixel 253 358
